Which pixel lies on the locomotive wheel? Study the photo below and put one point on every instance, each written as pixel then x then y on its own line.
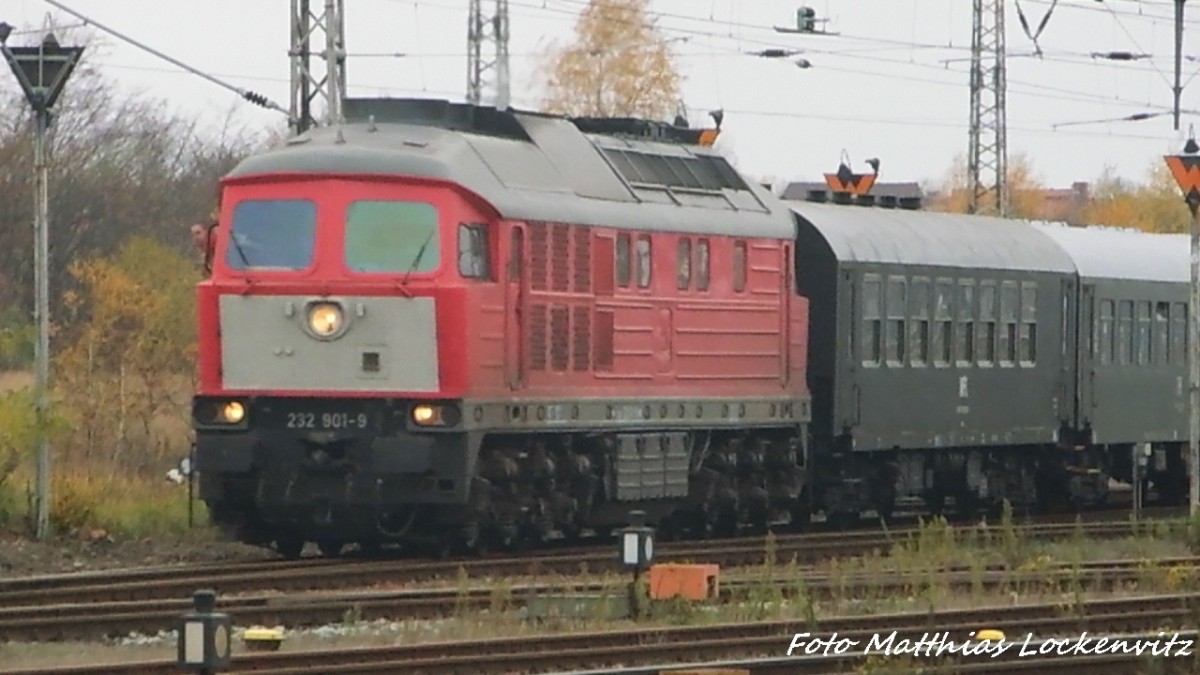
pixel 289 547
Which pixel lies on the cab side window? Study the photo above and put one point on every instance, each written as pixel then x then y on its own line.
pixel 623 266
pixel 473 258
pixel 643 262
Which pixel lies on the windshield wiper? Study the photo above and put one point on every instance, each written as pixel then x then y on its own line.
pixel 417 260
pixel 238 247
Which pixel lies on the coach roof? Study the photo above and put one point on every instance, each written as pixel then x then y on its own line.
pixel 543 168
pixel 1112 253
pixel 897 236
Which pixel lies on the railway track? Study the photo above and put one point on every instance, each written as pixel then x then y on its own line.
pixel 332 574
pixel 610 650
pixel 83 621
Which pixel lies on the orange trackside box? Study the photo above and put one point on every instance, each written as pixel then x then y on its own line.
pixel 691 582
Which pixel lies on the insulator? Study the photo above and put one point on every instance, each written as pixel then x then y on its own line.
pixel 255 98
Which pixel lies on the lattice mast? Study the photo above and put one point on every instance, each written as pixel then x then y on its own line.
pixel 481 29
pixel 987 154
pixel 324 29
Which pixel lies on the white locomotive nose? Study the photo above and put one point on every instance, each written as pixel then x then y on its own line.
pixel 329 343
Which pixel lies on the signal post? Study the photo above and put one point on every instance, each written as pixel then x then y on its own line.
pixel 1185 167
pixel 42 71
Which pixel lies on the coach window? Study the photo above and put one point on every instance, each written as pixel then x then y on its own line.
pixel 623 267
pixel 1125 332
pixel 965 337
pixel 918 312
pixel 987 316
pixel 1179 336
pixel 739 266
pixel 702 265
pixel 643 262
pixel 1143 333
pixel 1161 328
pixel 872 333
pixel 1009 299
pixel 943 340
pixel 473 260
pixel 896 309
pixel 683 263
pixel 1027 350
pixel 1106 344
pixel 392 236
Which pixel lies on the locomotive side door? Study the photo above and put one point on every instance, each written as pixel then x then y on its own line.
pixel 514 315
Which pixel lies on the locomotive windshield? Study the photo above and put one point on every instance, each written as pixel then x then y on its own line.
pixel 392 236
pixel 272 234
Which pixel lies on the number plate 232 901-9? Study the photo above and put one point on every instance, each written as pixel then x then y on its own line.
pixel 327 421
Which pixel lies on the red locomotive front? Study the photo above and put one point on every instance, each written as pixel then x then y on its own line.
pixel 460 331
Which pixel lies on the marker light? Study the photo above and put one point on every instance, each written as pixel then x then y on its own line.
pixel 233 412
pixel 325 319
pixel 444 415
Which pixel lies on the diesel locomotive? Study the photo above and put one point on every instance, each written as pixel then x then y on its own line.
pixel 454 326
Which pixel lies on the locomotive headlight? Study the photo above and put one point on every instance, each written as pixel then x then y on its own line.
pixel 325 319
pixel 233 412
pixel 425 415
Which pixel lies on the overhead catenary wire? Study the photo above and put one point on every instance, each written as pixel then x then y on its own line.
pixel 251 96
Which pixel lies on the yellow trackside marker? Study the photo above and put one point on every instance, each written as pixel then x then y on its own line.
pixel 259 639
pixel 990 634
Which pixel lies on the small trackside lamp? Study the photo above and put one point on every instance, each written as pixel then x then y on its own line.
pixel 637 542
pixel 637 552
pixel 204 636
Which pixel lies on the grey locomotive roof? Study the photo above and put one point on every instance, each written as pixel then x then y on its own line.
pixel 1111 253
pixel 877 235
pixel 556 173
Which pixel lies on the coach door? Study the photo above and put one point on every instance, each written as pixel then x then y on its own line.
pixel 514 315
pixel 1094 340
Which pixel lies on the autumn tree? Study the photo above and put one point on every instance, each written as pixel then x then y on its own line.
pixel 120 165
pixel 619 65
pixel 1025 189
pixel 1154 206
pixel 126 362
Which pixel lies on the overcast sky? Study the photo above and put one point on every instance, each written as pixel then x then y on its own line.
pixel 892 85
